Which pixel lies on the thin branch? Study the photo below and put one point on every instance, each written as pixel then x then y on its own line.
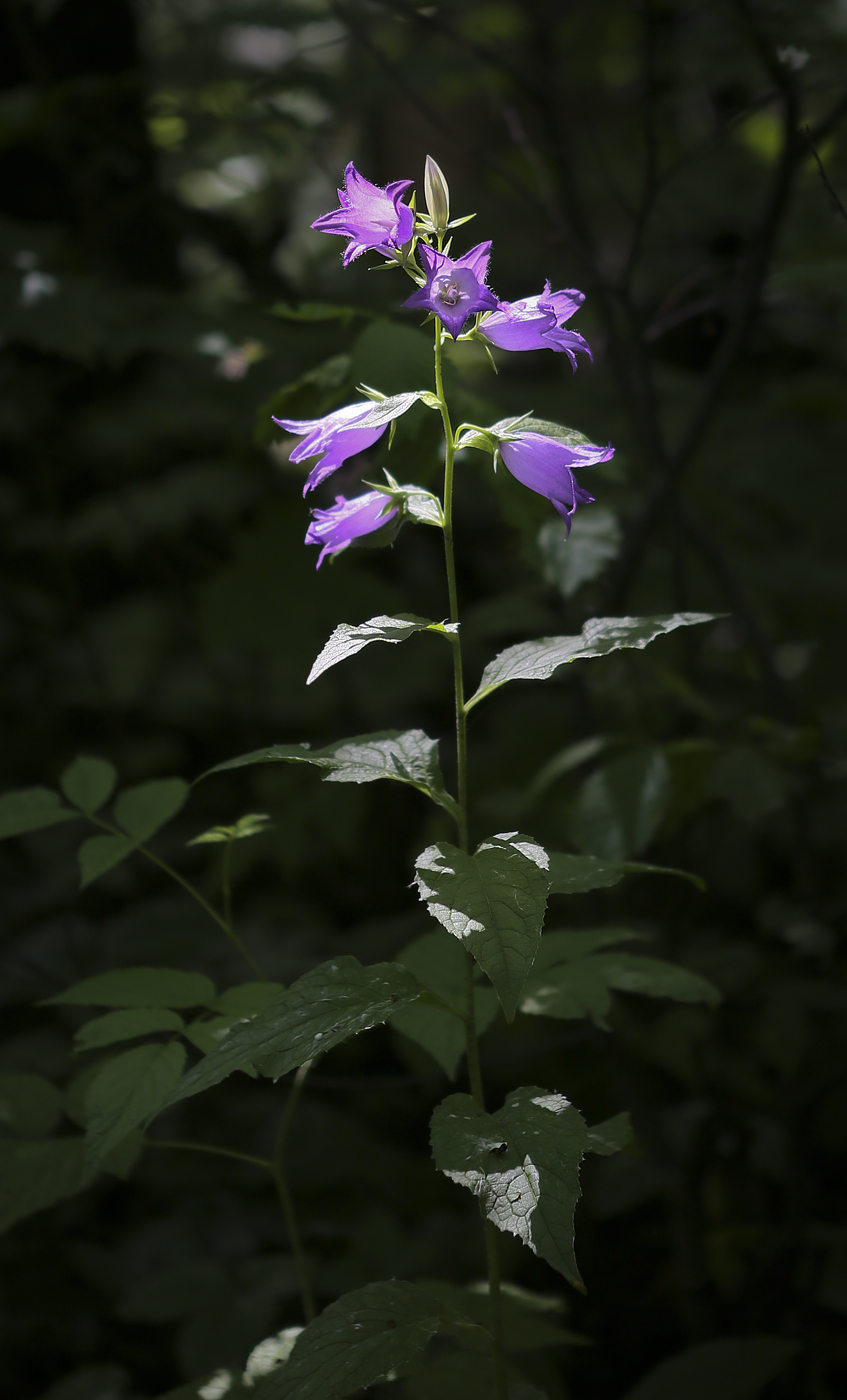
pixel 834 199
pixel 216 1151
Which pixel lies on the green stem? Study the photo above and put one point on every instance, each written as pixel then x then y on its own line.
pixel 279 1175
pixel 217 1151
pixel 501 1381
pixel 193 891
pixel 227 885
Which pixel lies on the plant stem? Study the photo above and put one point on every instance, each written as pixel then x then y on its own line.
pixel 501 1381
pixel 190 889
pixel 227 884
pixel 208 1147
pixel 278 1172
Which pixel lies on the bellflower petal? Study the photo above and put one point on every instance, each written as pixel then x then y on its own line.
pixel 335 438
pixel 455 287
pixel 348 521
pixel 546 466
pixel 536 323
pixel 369 216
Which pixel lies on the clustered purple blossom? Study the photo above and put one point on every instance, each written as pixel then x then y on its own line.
pixel 453 290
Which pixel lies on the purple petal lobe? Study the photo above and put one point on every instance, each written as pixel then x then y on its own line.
pixel 455 288
pixel 546 466
pixel 368 216
pixel 346 521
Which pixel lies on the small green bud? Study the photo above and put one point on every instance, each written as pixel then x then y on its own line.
pixel 437 193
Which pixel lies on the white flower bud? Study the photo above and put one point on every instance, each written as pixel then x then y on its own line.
pixel 437 193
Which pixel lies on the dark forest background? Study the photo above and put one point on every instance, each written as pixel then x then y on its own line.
pixel 685 164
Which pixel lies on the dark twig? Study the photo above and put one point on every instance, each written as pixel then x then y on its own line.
pixel 834 200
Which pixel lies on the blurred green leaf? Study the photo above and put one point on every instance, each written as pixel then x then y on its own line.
pixel 571 874
pixel 438 961
pixel 99 854
pixel 253 824
pixel 730 1368
pixel 248 998
pixel 126 1025
pixel 88 783
pixel 493 902
pixel 128 1090
pixel 29 1105
pixel 35 1175
pixel 142 810
pixel 754 786
pixel 30 810
pixel 621 806
pixel 569 561
pixel 139 986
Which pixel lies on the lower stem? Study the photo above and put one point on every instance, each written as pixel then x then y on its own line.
pixel 501 1380
pixel 281 1181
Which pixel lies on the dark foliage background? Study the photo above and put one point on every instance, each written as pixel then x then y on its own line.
pixel 159 166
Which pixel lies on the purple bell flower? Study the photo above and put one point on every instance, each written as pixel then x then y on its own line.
pixel 336 436
pixel 348 521
pixel 455 288
pixel 537 323
pixel 369 216
pixel 547 466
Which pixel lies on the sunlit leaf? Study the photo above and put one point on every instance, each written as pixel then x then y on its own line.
pixel 523 1164
pixel 404 756
pixel 541 659
pixel 253 824
pixel 347 640
pixel 493 902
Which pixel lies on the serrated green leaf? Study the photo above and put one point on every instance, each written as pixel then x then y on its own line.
pixel 570 992
pixel 128 1090
pixel 730 1368
pixel 387 409
pixel 247 999
pixel 347 640
pixel 31 809
pixel 541 659
pixel 493 902
pixel 323 1008
pixel 523 1164
pixel 88 783
pixel 438 961
pixel 101 853
pixel 215 1385
pixel 139 986
pixel 29 1105
pixel 404 756
pixel 208 1034
pixel 526 423
pixel 571 874
pixel 369 1335
pixel 35 1175
pixel 126 1025
pixel 140 811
